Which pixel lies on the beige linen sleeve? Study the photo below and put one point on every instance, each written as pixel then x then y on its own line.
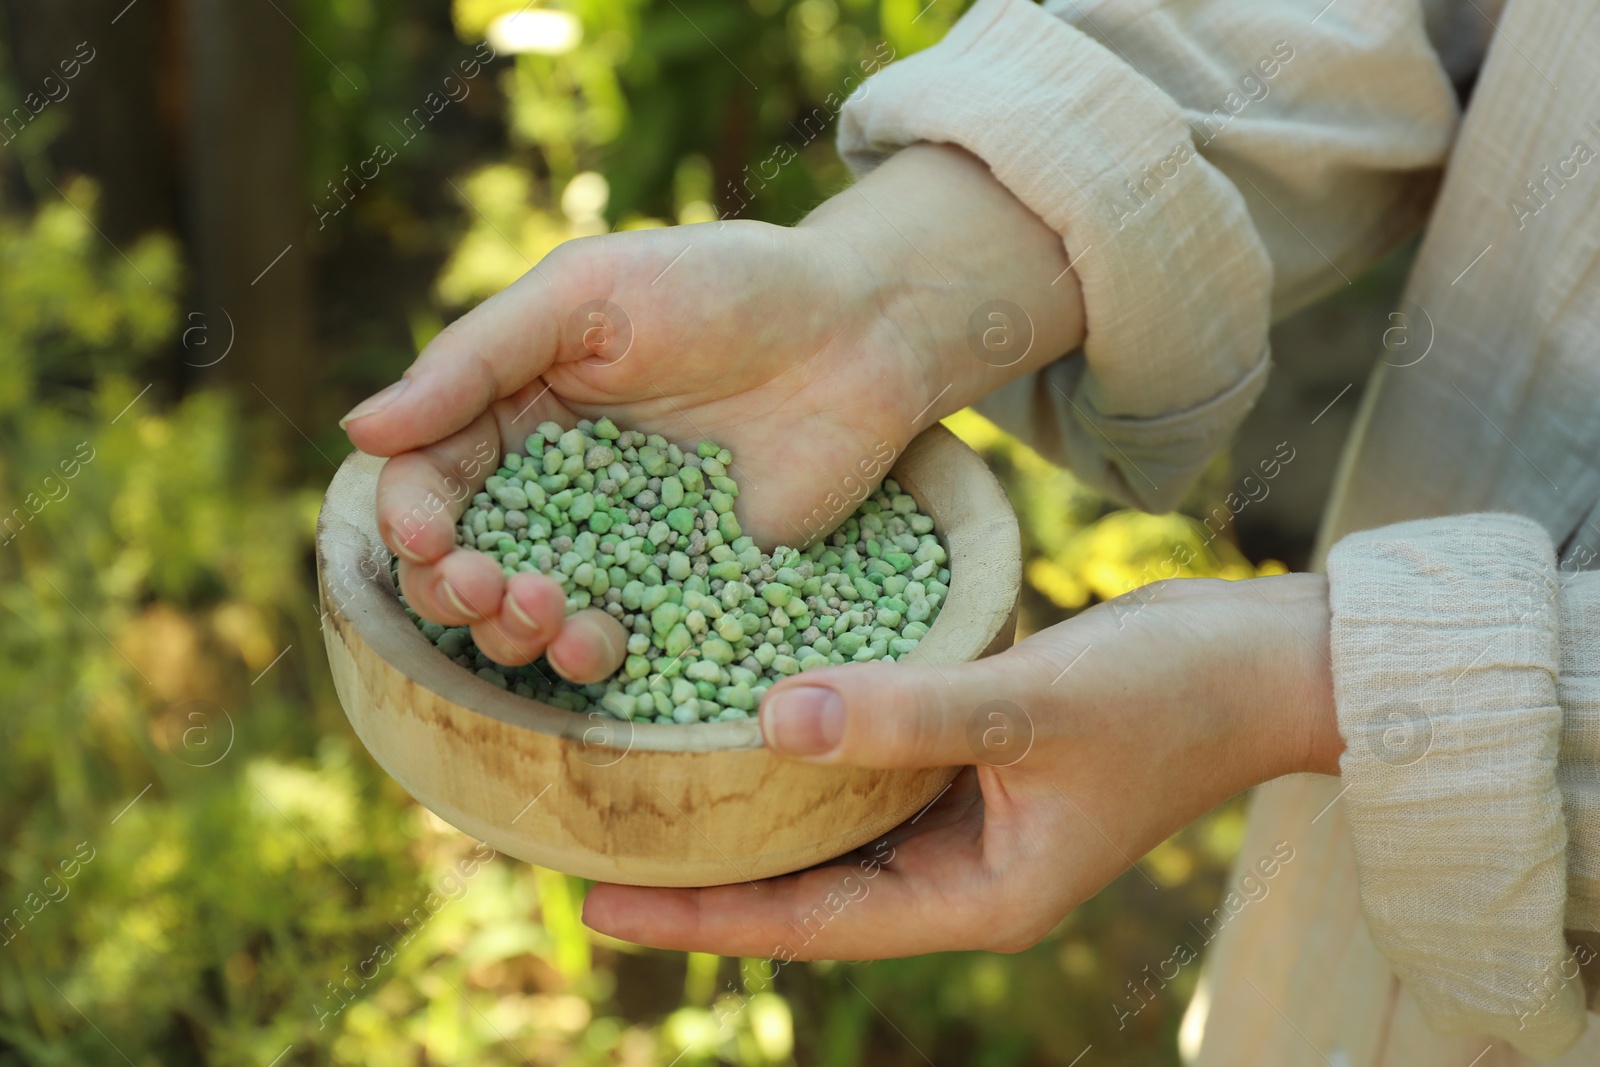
pixel 1579 767
pixel 1466 674
pixel 1208 165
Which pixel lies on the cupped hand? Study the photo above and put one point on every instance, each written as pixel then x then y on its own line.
pixel 671 331
pixel 813 353
pixel 1086 745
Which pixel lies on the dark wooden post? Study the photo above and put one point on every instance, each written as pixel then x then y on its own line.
pixel 247 204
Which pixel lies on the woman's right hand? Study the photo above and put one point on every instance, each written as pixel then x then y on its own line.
pixel 814 353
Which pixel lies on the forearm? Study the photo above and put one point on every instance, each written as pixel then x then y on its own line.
pixel 979 286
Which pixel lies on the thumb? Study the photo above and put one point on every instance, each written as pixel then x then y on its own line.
pixel 902 714
pixel 489 353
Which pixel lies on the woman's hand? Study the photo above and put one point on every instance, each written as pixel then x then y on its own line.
pixel 1092 742
pixel 814 353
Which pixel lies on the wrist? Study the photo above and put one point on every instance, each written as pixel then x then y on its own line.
pixel 1293 709
pixel 973 289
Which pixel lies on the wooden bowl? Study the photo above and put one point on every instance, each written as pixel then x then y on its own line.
pixel 639 803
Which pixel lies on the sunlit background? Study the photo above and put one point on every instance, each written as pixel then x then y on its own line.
pixel 205 259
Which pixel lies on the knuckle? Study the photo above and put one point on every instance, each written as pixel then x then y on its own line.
pixel 1021 931
pixel 1027 916
pixel 904 724
pixel 1012 941
pixel 488 376
pixel 449 340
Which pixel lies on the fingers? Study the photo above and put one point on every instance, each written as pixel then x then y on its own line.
pixel 892 714
pixel 489 353
pixel 583 648
pixel 590 647
pixel 526 618
pixel 458 590
pixel 929 894
pixel 518 620
pixel 421 494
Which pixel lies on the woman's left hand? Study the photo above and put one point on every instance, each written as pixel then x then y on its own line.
pixel 1087 745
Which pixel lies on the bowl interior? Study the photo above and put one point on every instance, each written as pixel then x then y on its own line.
pixel 950 481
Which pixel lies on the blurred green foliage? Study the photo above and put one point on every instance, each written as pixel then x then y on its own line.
pixel 246 886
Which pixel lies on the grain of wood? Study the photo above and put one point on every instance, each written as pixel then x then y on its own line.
pixel 639 803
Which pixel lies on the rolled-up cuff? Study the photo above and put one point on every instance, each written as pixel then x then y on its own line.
pixel 1176 283
pixel 1445 672
pixel 1145 463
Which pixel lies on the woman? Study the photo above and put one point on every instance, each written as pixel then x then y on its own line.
pixel 1140 189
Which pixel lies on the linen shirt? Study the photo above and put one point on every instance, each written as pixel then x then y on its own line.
pixel 1213 165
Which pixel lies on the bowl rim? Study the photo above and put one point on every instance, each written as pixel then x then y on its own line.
pixel 983 547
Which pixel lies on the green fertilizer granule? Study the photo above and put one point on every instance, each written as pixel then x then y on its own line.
pixel 645 531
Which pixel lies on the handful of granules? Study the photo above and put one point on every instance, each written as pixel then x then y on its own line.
pixel 630 523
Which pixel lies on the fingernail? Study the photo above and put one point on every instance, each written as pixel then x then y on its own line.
pixel 402 546
pixel 521 615
pixel 376 402
pixel 454 599
pixel 804 721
